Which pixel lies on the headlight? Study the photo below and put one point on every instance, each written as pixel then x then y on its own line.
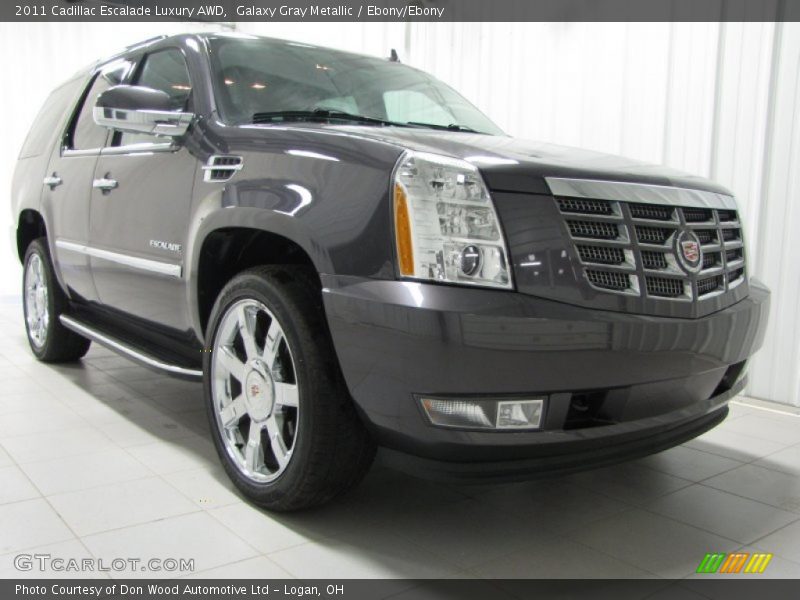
pixel 446 227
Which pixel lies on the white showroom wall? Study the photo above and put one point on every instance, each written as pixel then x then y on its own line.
pixel 719 100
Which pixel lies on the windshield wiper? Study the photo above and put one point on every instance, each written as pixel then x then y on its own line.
pixel 451 127
pixel 318 114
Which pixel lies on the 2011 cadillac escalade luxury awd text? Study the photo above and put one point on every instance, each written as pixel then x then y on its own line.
pixel 350 255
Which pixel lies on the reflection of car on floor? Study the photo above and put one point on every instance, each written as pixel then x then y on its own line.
pixel 351 255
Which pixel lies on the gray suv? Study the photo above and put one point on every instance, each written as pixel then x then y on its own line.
pixel 349 255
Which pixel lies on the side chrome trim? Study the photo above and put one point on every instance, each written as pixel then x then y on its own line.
pixel 116 345
pixel 139 149
pixel 135 262
pixel 638 192
pixel 68 153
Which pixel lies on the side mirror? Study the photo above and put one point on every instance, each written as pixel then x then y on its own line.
pixel 136 109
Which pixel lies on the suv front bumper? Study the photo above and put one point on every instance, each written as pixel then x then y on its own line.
pixel 618 385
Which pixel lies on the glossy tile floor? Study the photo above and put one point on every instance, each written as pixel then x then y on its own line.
pixel 106 459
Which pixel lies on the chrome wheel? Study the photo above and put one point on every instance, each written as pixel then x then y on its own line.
pixel 254 391
pixel 37 314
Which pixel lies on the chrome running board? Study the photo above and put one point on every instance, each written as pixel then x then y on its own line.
pixel 126 350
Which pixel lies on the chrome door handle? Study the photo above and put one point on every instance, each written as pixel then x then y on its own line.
pixel 105 184
pixel 53 181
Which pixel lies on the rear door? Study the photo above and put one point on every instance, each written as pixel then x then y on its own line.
pixel 140 209
pixel 68 184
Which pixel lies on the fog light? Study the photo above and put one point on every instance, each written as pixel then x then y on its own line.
pixel 467 413
pixel 519 414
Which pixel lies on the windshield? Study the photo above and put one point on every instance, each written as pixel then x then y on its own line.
pixel 261 76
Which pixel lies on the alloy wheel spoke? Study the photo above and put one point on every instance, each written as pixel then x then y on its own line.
pixel 277 443
pixel 230 362
pixel 247 329
pixel 253 453
pixel 272 343
pixel 286 394
pixel 231 413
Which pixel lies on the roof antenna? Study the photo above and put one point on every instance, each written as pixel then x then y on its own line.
pixel 393 56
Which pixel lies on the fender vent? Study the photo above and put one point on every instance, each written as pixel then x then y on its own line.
pixel 222 168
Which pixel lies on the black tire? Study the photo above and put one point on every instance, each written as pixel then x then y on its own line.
pixel 332 450
pixel 57 344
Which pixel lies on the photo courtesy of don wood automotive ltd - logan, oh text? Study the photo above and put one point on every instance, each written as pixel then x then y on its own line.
pixel 408 299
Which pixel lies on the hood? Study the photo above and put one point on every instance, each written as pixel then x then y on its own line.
pixel 513 165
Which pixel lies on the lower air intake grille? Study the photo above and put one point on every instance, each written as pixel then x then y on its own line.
pixel 641 249
pixel 608 279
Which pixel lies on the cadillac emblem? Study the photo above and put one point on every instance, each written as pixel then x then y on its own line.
pixel 689 251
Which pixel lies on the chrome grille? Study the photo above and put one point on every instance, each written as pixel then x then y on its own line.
pixel 609 280
pixel 632 248
pixel 698 215
pixel 583 206
pixel 664 287
pixel 593 230
pixel 654 261
pixel 601 255
pixel 710 284
pixel 651 212
pixel 653 235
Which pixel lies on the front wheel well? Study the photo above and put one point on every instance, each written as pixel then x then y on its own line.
pixel 227 252
pixel 30 226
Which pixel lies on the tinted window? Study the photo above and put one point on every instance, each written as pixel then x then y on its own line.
pixel 165 71
pixel 86 134
pixel 258 75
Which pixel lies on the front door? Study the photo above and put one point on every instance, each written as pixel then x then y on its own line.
pixel 141 201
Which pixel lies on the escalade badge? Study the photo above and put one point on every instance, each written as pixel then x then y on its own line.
pixel 690 251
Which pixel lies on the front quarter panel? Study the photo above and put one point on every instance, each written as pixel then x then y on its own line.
pixel 327 192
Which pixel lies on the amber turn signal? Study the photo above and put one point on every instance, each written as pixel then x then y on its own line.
pixel 402 228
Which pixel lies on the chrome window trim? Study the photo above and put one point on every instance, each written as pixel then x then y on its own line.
pixel 126 350
pixel 622 191
pixel 144 264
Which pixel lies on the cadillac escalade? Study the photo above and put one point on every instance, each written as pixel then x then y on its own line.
pixel 351 256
